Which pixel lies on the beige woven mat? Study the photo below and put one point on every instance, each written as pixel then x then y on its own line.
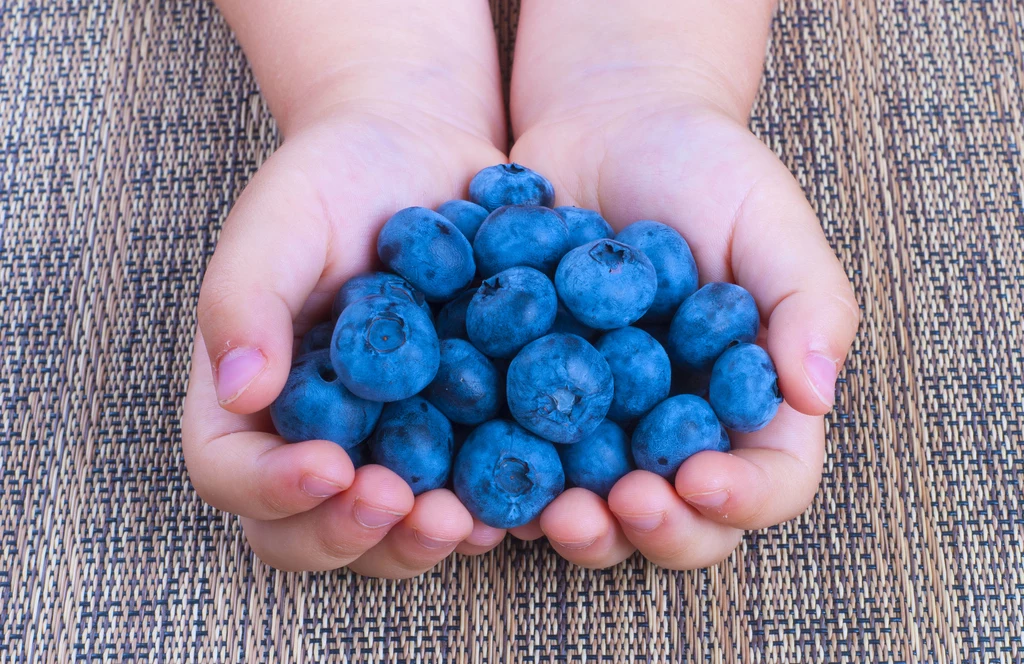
pixel 129 126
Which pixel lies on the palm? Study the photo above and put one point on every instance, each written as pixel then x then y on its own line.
pixel 703 173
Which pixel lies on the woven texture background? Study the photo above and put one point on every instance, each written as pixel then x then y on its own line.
pixel 129 126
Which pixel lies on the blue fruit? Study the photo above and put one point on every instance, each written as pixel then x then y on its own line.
pixel 318 338
pixel 641 371
pixel 606 284
pixel 584 225
pixel 559 387
pixel 450 322
pixel 467 388
pixel 415 441
pixel 466 216
pixel 510 184
pixel 672 260
pixel 744 390
pixel 375 284
pixel 675 430
pixel 709 321
pixel 315 405
pixel 566 323
pixel 360 455
pixel 520 235
pixel 506 476
pixel 598 461
pixel 429 251
pixel 510 310
pixel 385 349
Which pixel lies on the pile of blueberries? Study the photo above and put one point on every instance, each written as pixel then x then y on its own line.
pixel 511 348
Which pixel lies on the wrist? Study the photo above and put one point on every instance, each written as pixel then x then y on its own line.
pixel 616 58
pixel 318 56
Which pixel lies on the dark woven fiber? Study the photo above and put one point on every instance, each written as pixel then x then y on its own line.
pixel 130 126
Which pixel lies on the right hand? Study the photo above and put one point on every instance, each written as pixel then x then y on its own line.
pixel 306 223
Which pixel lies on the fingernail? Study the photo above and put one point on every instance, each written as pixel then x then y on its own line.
pixel 576 545
pixel 643 523
pixel 236 369
pixel 375 517
pixel 430 542
pixel 709 499
pixel 318 487
pixel 821 371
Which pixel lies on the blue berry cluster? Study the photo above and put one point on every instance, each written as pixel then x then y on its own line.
pixel 511 348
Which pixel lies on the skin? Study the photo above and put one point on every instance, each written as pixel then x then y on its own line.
pixel 636 110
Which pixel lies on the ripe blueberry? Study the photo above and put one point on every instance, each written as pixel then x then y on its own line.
pixel 315 405
pixel 744 390
pixel 375 284
pixel 606 284
pixel 385 349
pixel 598 461
pixel 520 235
pixel 584 225
pixel 559 387
pixel 466 216
pixel 675 430
pixel 510 310
pixel 506 476
pixel 415 441
pixel 468 389
pixel 709 321
pixel 318 338
pixel 510 184
pixel 429 251
pixel 450 322
pixel 641 371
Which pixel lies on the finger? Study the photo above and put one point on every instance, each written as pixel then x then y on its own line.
pixel 666 530
pixel 237 466
pixel 770 476
pixel 781 256
pixel 339 530
pixel 582 529
pixel 481 540
pixel 436 525
pixel 527 532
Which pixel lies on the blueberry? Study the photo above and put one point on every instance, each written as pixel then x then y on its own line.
pixel 318 338
pixel 450 322
pixel 385 349
pixel 375 284
pixel 415 441
pixel 672 260
pixel 584 225
pixel 559 387
pixel 467 388
pixel 675 430
pixel 744 388
pixel 709 321
pixel 466 216
pixel 360 455
pixel 429 251
pixel 520 235
pixel 315 405
pixel 598 461
pixel 506 476
pixel 510 310
pixel 606 284
pixel 510 184
pixel 641 371
pixel 566 323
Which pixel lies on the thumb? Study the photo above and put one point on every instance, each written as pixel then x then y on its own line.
pixel 272 253
pixel 781 256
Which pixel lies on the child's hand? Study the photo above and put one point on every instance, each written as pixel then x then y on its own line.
pixel 407 124
pixel 624 119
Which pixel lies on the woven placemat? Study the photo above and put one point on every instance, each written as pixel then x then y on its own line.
pixel 130 126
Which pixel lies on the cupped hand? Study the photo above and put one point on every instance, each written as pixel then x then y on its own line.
pixel 306 223
pixel 692 164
